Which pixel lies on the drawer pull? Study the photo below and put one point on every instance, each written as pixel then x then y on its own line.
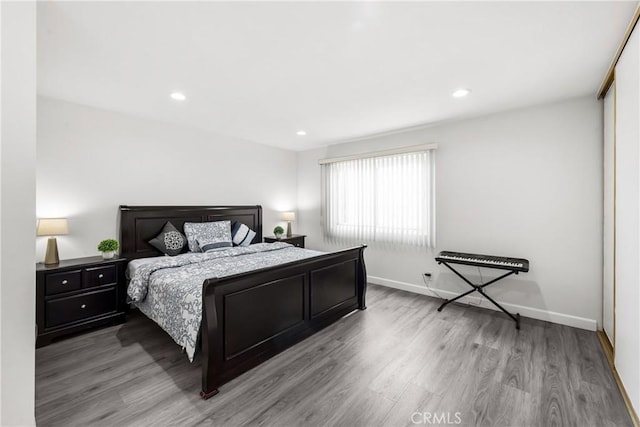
pixel 83 306
pixel 64 282
pixel 100 276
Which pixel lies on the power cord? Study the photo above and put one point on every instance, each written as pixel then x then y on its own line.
pixel 430 289
pixel 426 283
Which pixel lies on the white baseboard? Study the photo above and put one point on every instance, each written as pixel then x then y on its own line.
pixel 534 313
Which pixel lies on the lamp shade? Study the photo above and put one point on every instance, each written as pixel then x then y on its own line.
pixel 288 216
pixel 52 227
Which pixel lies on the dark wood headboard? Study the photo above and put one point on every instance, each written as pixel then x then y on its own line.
pixel 139 224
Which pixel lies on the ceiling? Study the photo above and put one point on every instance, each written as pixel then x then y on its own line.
pixel 263 71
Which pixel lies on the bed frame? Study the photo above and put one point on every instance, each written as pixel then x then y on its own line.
pixel 248 318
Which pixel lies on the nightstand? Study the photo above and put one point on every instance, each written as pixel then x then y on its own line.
pixel 78 294
pixel 295 239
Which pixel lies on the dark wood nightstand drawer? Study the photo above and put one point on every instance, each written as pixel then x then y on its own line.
pixel 297 242
pixel 71 309
pixel 63 282
pixel 98 276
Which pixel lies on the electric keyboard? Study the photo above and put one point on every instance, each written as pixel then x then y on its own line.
pixel 489 261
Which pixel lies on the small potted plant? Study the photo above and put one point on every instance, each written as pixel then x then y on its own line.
pixel 108 248
pixel 278 232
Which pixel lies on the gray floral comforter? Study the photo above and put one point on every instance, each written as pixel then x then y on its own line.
pixel 169 289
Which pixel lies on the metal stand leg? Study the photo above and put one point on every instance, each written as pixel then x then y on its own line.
pixel 447 301
pixel 479 289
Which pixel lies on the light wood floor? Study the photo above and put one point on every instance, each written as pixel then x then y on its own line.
pixel 397 360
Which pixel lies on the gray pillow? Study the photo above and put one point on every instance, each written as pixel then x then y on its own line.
pixel 170 241
pixel 213 245
pixel 209 232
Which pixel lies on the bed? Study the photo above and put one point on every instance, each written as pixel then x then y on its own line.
pixel 249 316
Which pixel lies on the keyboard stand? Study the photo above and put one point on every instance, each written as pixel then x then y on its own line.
pixel 479 289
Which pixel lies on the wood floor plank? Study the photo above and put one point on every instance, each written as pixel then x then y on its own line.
pixel 509 407
pixel 83 410
pixel 519 370
pixel 373 368
pixel 414 404
pixel 471 393
pixel 395 376
pixel 298 396
pixel 364 408
pixel 558 406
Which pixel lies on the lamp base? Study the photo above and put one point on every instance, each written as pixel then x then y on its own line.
pixel 289 229
pixel 51 257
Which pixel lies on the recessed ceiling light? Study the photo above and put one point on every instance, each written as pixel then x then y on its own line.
pixel 178 96
pixel 301 133
pixel 461 93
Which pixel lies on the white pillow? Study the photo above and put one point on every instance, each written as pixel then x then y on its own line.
pixel 207 233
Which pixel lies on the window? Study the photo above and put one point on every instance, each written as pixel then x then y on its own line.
pixel 380 198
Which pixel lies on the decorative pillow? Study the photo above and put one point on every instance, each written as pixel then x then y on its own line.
pixel 241 234
pixel 207 233
pixel 170 241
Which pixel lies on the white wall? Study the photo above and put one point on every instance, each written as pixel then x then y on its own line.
pixel 525 183
pixel 17 213
pixel 90 161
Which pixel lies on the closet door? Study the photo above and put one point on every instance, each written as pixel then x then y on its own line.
pixel 627 238
pixel 608 279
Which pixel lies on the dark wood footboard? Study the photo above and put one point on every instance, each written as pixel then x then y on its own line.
pixel 250 317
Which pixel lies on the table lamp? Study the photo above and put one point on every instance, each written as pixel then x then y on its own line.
pixel 288 216
pixel 52 227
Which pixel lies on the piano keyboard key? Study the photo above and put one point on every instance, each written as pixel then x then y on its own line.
pixel 485 260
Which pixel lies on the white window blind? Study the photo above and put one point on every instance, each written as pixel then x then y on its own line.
pixel 386 198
